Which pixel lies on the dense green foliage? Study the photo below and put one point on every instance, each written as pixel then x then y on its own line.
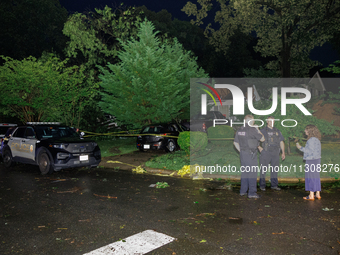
pixel 184 141
pixel 292 112
pixel 287 30
pixel 198 141
pixel 151 83
pixel 239 55
pixel 94 36
pixel 220 131
pixel 44 90
pixel 333 68
pixel 93 40
pixel 333 97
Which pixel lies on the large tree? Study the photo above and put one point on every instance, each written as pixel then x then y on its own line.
pixel 93 40
pixel 43 89
pixel 287 29
pixel 238 56
pixel 151 82
pixel 94 35
pixel 29 27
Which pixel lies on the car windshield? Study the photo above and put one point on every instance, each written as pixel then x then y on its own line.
pixel 44 132
pixel 153 130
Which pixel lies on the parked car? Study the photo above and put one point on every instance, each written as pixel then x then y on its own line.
pixel 160 136
pixel 203 122
pixel 5 130
pixel 50 146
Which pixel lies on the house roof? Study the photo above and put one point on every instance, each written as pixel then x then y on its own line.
pixel 225 94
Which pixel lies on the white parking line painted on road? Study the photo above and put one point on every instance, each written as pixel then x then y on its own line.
pixel 137 244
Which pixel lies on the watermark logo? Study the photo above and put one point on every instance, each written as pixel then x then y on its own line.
pixel 239 98
pixel 204 97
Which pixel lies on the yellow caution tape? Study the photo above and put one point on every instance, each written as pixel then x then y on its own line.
pixel 185 170
pixel 137 169
pixel 188 169
pixel 91 134
pixel 118 162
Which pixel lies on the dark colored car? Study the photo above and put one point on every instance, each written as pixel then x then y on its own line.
pixel 203 122
pixel 5 130
pixel 50 146
pixel 160 136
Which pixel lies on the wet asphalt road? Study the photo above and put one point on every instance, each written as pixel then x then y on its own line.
pixel 76 211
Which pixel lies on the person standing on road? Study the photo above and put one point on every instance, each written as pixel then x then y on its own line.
pixel 312 155
pixel 270 154
pixel 246 142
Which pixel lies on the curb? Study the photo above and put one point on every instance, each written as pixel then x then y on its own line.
pixel 231 178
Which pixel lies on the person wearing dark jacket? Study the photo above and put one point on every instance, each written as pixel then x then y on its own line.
pixel 270 154
pixel 246 142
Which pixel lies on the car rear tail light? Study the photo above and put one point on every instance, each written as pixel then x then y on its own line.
pixel 164 134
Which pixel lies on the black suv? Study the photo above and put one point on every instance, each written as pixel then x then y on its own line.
pixel 50 146
pixel 160 136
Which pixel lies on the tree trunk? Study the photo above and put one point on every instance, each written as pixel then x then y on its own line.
pixel 285 57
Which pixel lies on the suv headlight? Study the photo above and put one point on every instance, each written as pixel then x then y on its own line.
pixel 58 146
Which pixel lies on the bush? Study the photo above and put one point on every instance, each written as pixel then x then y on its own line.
pixel 198 141
pixel 220 131
pixel 184 141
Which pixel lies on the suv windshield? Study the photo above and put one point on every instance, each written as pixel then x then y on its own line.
pixel 44 132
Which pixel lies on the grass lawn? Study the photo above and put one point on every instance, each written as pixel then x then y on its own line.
pixel 292 166
pixel 226 155
pixel 111 146
pixel 169 161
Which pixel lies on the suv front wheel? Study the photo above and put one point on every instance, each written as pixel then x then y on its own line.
pixel 45 165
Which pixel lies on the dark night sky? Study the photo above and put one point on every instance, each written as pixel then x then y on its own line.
pixel 326 55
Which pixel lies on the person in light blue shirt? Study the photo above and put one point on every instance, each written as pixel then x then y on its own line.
pixel 312 156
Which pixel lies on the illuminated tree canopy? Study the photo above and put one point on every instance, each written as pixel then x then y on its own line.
pixel 287 29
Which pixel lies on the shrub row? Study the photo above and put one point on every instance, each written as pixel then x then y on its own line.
pixel 196 141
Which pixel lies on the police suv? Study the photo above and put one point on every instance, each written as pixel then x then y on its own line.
pixel 50 146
